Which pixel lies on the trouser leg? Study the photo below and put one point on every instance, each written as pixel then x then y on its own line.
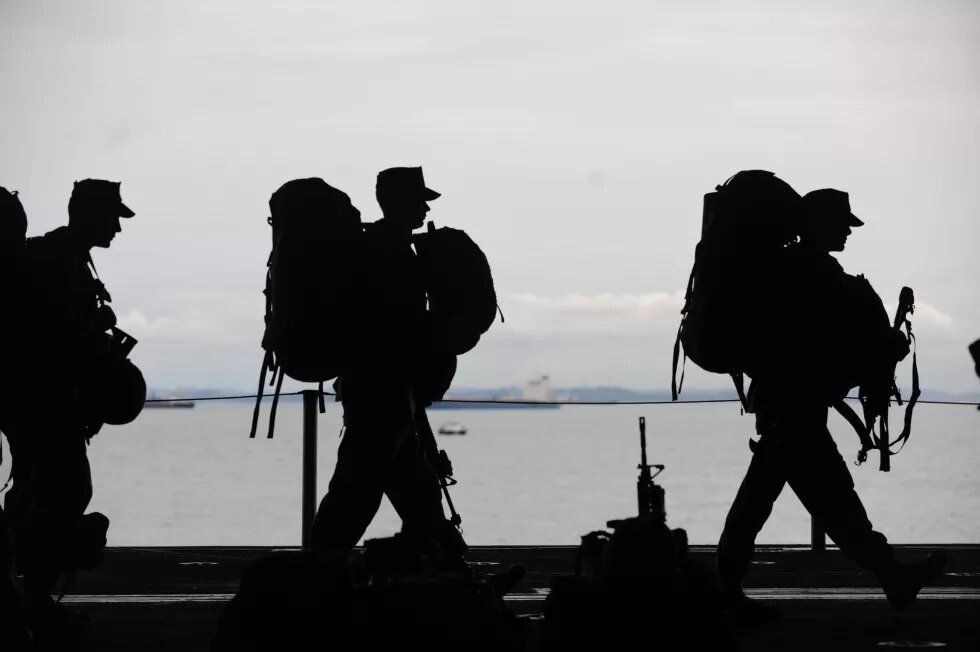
pixel 416 494
pixel 824 485
pixel 365 460
pixel 414 490
pixel 763 482
pixel 48 509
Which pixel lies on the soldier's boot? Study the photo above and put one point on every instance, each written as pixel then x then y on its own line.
pixel 452 560
pixel 903 582
pixel 744 610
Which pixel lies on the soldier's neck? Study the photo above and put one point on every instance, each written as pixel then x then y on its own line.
pixel 394 228
pixel 79 239
pixel 813 248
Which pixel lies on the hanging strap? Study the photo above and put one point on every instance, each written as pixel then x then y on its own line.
pixel 738 379
pixel 903 437
pixel 675 387
pixel 275 401
pixel 884 447
pixel 323 405
pixel 266 365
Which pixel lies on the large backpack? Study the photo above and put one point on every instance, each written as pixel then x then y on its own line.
pixel 462 298
pixel 310 289
pixel 726 326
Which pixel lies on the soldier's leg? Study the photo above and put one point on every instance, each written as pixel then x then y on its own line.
pixel 416 495
pixel 364 460
pixel 61 490
pixel 823 483
pixel 763 482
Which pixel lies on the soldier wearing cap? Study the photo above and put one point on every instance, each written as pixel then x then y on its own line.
pixel 380 453
pixel 64 322
pixel 822 313
pixel 828 220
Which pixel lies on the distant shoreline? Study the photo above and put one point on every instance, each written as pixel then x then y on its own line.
pixel 565 395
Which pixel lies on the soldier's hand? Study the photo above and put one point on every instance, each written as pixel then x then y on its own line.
pixel 902 345
pixel 105 319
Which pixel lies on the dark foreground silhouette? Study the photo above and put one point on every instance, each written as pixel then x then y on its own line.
pixel 387 598
pixel 636 585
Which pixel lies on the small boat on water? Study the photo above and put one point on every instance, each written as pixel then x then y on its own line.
pixel 452 428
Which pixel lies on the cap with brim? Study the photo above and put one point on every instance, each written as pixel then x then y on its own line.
pixel 831 203
pixel 101 193
pixel 405 182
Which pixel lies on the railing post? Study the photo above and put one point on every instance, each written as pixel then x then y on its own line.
pixel 310 403
pixel 818 542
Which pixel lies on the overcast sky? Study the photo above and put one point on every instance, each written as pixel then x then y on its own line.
pixel 573 141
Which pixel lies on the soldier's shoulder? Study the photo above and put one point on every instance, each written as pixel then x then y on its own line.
pixel 52 242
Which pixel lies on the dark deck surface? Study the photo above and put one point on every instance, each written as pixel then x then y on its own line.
pixel 170 598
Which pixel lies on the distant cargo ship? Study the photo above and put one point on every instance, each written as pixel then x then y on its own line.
pixel 537 395
pixel 155 401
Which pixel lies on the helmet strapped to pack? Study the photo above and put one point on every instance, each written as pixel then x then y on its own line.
pixel 115 390
pixel 316 242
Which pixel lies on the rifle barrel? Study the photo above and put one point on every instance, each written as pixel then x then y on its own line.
pixel 643 442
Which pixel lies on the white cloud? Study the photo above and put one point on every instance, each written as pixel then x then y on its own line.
pixel 194 326
pixel 606 313
pixel 371 48
pixel 927 317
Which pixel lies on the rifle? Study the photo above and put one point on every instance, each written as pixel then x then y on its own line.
pixel 439 460
pixel 649 495
pixel 876 401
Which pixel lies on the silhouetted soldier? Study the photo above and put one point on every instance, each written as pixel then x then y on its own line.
pixel 64 324
pixel 14 634
pixel 790 398
pixel 380 453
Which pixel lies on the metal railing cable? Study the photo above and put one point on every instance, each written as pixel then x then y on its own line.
pixel 505 401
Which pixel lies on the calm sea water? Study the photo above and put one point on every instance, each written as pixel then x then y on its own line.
pixel 193 477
